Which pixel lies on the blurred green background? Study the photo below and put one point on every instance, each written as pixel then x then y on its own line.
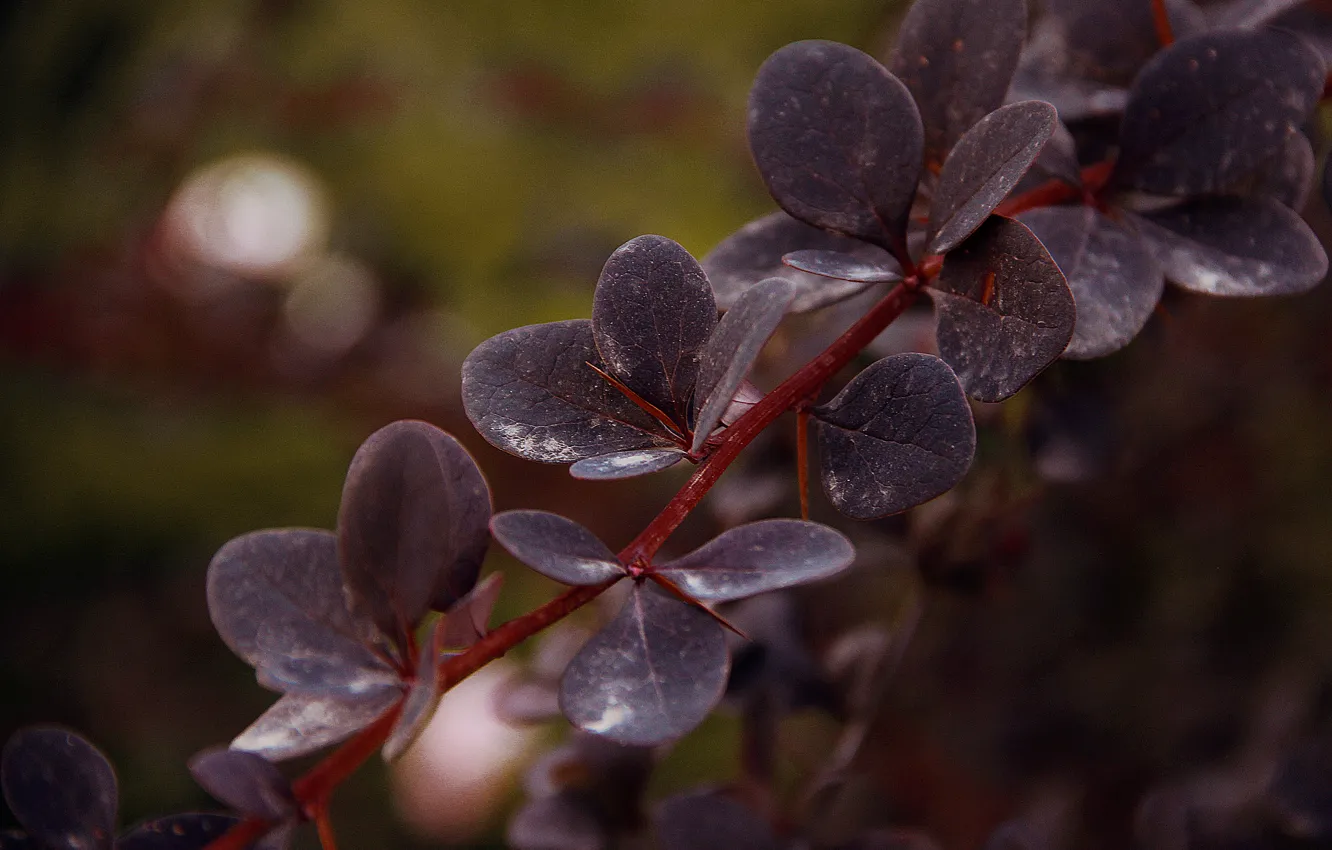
pixel 236 237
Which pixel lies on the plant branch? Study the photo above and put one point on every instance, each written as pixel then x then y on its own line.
pixel 1165 33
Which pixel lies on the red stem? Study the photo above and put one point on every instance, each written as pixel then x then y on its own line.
pixel 1161 18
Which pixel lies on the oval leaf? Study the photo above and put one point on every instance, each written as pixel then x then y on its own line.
pixel 625 464
pixel 246 782
pixel 731 351
pixel 984 167
pixel 60 788
pixel 837 140
pixel 1115 280
pixel 277 601
pixel 957 57
pixel 755 253
pixel 1287 177
pixel 1004 310
pixel 899 434
pixel 651 675
pixel 556 547
pixel 1211 108
pixel 421 701
pixel 190 831
pixel 758 557
pixel 843 266
pixel 300 724
pixel 708 821
pixel 412 529
pixel 1235 247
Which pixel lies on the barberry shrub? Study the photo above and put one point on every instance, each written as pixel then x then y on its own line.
pixel 1038 182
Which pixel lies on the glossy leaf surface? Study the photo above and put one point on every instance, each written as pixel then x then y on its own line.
pixel 556 547
pixel 754 253
pixel 1211 108
pixel 957 57
pixel 625 464
pixel 412 529
pixel 60 788
pixel 1115 280
pixel 1004 310
pixel 422 698
pixel 1235 247
pixel 653 310
pixel 191 831
pixel 276 598
pixel 300 724
pixel 843 266
pixel 531 392
pixel 987 163
pixel 650 675
pixel 759 557
pixel 837 139
pixel 709 821
pixel 731 351
pixel 246 782
pixel 899 434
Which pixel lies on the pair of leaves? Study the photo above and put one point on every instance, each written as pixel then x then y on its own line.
pixel 657 669
pixel 63 792
pixel 638 388
pixel 328 619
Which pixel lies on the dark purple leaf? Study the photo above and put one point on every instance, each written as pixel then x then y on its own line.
pixel 837 140
pixel 276 599
pixel 709 821
pixel 650 675
pixel 1313 24
pixel 653 310
pixel 843 266
pixel 246 782
pixel 1059 157
pixel 758 557
pixel 625 464
pixel 1300 794
pixel 957 57
pixel 983 168
pixel 555 823
pixel 190 831
pixel 899 434
pixel 1242 14
pixel 300 724
pixel 1115 280
pixel 412 530
pixel 731 351
pixel 1004 310
pixel 468 621
pixel 422 698
pixel 1235 247
pixel 1108 42
pixel 1287 177
pixel 556 547
pixel 60 788
pixel 754 253
pixel 1211 108
pixel 531 392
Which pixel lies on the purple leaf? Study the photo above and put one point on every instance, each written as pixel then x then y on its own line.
pixel 555 823
pixel 422 698
pixel 246 782
pixel 412 530
pixel 531 392
pixel 899 434
pixel 843 266
pixel 650 675
pixel 190 831
pixel 300 724
pixel 556 547
pixel 653 310
pixel 837 139
pixel 1243 14
pixel 1114 278
pixel 759 557
pixel 276 599
pixel 1059 157
pixel 983 168
pixel 709 821
pixel 1108 42
pixel 468 621
pixel 1211 108
pixel 754 253
pixel 1004 310
pixel 60 788
pixel 625 464
pixel 1235 247
pixel 732 349
pixel 957 57
pixel 1287 177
